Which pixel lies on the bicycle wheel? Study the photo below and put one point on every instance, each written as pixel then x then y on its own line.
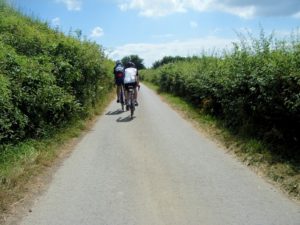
pixel 122 106
pixel 132 106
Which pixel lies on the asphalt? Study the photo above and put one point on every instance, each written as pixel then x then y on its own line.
pixel 156 169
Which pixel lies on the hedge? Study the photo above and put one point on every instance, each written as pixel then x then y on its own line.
pixel 254 89
pixel 47 79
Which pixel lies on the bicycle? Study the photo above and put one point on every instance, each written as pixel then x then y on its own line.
pixel 131 100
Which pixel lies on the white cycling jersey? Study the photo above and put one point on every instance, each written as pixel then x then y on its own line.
pixel 130 75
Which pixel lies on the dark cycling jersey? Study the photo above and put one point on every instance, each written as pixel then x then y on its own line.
pixel 119 74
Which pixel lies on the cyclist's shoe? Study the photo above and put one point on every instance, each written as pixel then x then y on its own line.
pixel 118 100
pixel 136 103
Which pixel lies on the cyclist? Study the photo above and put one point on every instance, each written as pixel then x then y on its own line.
pixel 119 77
pixel 131 78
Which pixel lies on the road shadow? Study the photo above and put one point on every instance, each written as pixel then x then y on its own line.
pixel 125 119
pixel 116 112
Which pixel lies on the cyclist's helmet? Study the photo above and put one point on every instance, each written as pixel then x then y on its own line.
pixel 130 64
pixel 118 62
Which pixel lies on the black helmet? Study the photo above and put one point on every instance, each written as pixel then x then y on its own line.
pixel 130 64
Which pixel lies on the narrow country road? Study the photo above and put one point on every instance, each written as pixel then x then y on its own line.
pixel 156 169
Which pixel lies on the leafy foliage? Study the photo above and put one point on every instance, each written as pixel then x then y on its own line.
pixel 46 78
pixel 255 89
pixel 166 60
pixel 135 59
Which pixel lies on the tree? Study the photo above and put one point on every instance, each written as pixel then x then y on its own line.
pixel 168 59
pixel 135 59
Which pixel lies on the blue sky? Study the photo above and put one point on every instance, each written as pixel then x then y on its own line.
pixel 156 28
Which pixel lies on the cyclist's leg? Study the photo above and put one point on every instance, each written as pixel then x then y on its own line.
pixel 122 97
pixel 126 93
pixel 118 92
pixel 135 94
pixel 118 82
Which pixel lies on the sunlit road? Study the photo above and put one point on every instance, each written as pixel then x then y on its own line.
pixel 156 169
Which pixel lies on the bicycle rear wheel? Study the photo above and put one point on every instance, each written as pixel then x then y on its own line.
pixel 132 108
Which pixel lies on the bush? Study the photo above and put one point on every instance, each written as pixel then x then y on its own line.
pixel 254 89
pixel 46 78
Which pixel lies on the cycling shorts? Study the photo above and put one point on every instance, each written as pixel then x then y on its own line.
pixel 130 84
pixel 119 81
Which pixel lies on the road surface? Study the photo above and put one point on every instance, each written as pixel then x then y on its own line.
pixel 156 169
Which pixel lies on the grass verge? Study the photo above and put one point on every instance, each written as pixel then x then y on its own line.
pixel 254 153
pixel 20 165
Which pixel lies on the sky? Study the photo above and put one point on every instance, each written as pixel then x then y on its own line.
pixel 153 29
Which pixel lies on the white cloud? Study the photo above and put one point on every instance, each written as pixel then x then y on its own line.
pixel 193 24
pixel 152 52
pixel 244 12
pixel 153 8
pixel 72 5
pixel 56 22
pixel 97 32
pixel 241 8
